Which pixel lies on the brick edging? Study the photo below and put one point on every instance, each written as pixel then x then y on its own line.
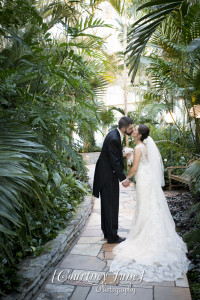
pixel 34 271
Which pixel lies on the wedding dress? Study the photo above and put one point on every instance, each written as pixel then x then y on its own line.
pixel 152 246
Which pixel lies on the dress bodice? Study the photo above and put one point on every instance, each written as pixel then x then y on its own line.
pixel 144 157
pixel 144 168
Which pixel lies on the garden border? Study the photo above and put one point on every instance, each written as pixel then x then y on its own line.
pixel 34 271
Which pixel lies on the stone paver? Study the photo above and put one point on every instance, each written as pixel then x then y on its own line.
pixel 92 232
pixel 80 293
pixel 83 262
pixel 56 292
pixel 60 275
pixel 90 277
pixel 182 282
pixel 90 240
pixel 111 292
pixel 90 158
pixel 90 254
pixel 171 293
pixel 86 249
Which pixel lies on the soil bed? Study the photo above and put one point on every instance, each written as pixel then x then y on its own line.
pixel 180 206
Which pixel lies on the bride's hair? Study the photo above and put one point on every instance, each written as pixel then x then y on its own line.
pixel 144 131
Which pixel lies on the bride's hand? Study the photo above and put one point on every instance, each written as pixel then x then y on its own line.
pixel 128 156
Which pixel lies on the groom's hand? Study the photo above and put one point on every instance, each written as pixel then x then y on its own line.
pixel 126 183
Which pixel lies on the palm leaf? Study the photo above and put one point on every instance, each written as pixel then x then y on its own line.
pixel 118 109
pixel 193 171
pixel 143 29
pixel 15 175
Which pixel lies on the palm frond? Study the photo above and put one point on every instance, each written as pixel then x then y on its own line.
pixel 143 29
pixel 15 173
pixel 193 171
pixel 118 109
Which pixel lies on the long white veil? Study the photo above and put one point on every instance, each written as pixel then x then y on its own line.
pixel 155 160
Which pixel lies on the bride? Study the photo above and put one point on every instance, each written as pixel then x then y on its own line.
pixel 152 246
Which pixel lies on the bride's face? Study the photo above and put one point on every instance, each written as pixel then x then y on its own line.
pixel 135 133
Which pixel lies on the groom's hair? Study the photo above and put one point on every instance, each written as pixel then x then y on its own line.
pixel 124 122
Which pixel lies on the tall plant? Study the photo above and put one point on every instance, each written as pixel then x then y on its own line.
pixel 45 85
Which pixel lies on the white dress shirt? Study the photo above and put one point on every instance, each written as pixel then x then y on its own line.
pixel 121 136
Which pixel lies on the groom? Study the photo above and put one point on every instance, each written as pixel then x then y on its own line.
pixel 108 173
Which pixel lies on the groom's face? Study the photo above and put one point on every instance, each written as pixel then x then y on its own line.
pixel 129 129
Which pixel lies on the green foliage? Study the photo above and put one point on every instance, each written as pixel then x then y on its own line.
pixel 143 29
pixel 107 117
pixel 48 90
pixel 193 174
pixel 193 242
pixel 173 66
pixel 173 71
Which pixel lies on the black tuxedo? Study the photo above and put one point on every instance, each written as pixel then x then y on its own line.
pixel 108 173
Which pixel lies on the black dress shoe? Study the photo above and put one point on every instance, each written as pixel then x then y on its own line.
pixel 119 240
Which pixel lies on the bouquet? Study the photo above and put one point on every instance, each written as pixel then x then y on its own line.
pixel 127 151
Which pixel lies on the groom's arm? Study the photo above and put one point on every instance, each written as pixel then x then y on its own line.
pixel 115 159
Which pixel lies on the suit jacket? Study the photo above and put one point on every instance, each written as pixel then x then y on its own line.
pixel 110 161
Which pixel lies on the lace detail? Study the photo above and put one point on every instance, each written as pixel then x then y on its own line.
pixel 150 273
pixel 144 157
pixel 152 245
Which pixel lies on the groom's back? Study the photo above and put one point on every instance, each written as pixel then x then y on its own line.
pixel 105 165
pixel 112 135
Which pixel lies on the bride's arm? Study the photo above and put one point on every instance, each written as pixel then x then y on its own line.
pixel 137 156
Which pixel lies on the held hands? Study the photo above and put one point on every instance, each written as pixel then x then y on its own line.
pixel 126 183
pixel 128 156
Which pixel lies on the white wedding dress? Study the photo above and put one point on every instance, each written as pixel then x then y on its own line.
pixel 152 246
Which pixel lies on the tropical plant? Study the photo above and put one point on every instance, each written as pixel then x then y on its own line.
pixel 170 31
pixel 192 237
pixel 143 29
pixel 173 64
pixel 49 88
pixel 192 173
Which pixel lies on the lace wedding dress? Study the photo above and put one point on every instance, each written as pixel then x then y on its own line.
pixel 152 246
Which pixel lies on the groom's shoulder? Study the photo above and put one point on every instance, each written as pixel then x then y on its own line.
pixel 112 134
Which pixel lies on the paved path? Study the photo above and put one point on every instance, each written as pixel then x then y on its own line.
pixel 84 267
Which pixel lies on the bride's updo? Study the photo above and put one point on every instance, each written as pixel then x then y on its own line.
pixel 144 131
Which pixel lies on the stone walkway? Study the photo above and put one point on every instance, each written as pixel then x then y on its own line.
pixel 85 265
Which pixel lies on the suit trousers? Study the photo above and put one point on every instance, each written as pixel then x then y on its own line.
pixel 110 208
